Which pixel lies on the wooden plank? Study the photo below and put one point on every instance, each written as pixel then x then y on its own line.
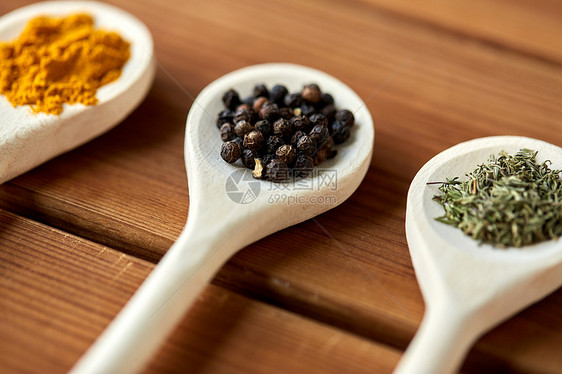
pixel 427 90
pixel 57 293
pixel 256 338
pixel 145 229
pixel 529 27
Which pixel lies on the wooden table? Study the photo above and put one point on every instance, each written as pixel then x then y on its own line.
pixel 336 294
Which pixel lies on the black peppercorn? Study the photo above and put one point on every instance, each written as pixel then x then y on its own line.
pixel 329 111
pixel 253 140
pixel 301 123
pixel 327 99
pixel 239 141
pixel 244 114
pixel 264 127
pixel 319 119
pixel 260 90
pixel 242 128
pixel 277 94
pixel 258 103
pixel 340 132
pixel 277 171
pixel 311 93
pixel 282 128
pixel 242 106
pixel 303 166
pixel 248 158
pixel 306 146
pixel 321 155
pixel 286 153
pixel 329 144
pixel 273 142
pixel 248 101
pixel 230 151
pixel 296 136
pixel 307 109
pixel 286 113
pixel 225 116
pixel 241 114
pixel 320 135
pixel 275 132
pixel 267 158
pixel 269 112
pixel 346 117
pixel 227 132
pixel 292 100
pixel 231 99
pixel 330 153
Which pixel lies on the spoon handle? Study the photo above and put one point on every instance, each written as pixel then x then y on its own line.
pixel 156 308
pixel 441 343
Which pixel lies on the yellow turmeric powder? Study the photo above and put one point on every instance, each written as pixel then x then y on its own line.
pixel 60 60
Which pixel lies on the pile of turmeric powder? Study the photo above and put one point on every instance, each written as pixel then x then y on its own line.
pixel 60 60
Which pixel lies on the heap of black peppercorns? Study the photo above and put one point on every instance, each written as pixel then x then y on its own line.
pixel 278 134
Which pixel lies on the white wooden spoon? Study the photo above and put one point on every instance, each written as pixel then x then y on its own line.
pixel 228 210
pixel 28 139
pixel 469 288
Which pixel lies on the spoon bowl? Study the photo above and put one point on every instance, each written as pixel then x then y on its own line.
pixel 228 210
pixel 28 139
pixel 468 288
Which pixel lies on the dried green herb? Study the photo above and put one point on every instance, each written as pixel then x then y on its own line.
pixel 509 201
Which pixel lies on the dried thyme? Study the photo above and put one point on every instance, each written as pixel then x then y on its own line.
pixel 509 201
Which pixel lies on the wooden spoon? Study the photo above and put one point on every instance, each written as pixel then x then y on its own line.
pixel 28 139
pixel 228 210
pixel 469 288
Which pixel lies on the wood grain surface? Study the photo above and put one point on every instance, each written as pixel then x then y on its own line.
pixel 334 294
